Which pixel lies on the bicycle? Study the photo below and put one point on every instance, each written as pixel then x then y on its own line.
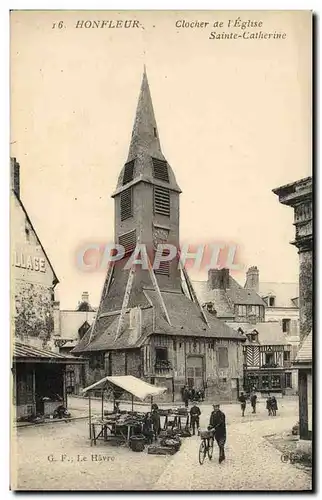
pixel 206 445
pixel 291 456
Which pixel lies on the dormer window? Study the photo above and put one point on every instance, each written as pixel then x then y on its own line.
pixel 271 301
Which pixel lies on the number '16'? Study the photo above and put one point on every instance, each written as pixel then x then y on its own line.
pixel 59 25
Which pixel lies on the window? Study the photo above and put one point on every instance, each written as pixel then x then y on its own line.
pixel 222 357
pixel 161 354
pixel 269 358
pixel 96 361
pixel 286 324
pixel 242 311
pixel 162 201
pixel 265 382
pixel 162 363
pixel 287 356
pixel 276 382
pixel 126 204
pixel 160 170
pixel 128 241
pixel 155 132
pixel 128 172
pixel 152 380
pixel 288 380
pixel 271 301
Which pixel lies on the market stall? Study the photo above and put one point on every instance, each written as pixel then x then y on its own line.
pixel 118 424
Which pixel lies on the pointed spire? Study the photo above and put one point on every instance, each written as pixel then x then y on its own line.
pixel 145 137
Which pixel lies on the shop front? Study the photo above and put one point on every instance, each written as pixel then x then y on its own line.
pixel 39 381
pixel 264 380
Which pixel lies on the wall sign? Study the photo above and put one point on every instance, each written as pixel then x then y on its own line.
pixel 29 262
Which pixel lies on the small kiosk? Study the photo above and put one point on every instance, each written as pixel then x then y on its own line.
pixel 118 423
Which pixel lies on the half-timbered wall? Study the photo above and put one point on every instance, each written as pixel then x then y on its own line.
pixel 222 372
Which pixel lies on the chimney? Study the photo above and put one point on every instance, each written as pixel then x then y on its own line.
pixel 218 279
pixel 15 176
pixel 85 297
pixel 252 279
pixel 56 308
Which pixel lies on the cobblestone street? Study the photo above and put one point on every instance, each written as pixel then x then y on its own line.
pixel 251 464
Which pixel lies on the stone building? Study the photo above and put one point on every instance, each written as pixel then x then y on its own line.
pixel 148 324
pixel 268 350
pixel 70 327
pixel 298 195
pixel 37 367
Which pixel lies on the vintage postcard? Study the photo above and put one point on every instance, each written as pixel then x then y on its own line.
pixel 161 250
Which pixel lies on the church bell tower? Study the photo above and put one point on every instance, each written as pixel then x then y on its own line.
pixel 147 198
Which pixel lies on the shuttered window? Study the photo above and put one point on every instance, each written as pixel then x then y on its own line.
pixel 160 170
pixel 128 241
pixel 161 201
pixel 222 357
pixel 164 266
pixel 128 172
pixel 126 204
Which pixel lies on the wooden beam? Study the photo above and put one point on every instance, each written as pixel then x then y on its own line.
pixel 125 303
pixel 303 404
pixel 157 289
pixel 105 289
pixel 193 293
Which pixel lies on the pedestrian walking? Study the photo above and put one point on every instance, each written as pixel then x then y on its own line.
pixel 253 401
pixel 242 400
pixel 156 423
pixel 194 418
pixel 274 407
pixel 147 429
pixel 269 404
pixel 218 424
pixel 185 396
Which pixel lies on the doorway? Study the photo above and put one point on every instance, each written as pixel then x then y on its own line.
pixel 195 372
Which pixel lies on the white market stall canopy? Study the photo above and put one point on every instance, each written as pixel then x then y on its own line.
pixel 130 384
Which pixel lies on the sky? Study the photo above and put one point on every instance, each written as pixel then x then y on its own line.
pixel 234 121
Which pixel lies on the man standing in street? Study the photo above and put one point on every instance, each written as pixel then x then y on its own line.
pixel 194 418
pixel 253 401
pixel 185 396
pixel 218 423
pixel 242 400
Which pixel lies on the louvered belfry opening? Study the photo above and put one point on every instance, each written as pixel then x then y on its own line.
pixel 160 170
pixel 126 204
pixel 128 241
pixel 128 172
pixel 164 266
pixel 161 201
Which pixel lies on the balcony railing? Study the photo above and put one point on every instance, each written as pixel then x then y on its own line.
pixel 162 367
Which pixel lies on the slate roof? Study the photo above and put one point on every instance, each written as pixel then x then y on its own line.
pixel 185 317
pixel 225 299
pixel 269 332
pixel 24 352
pixel 283 293
pixel 304 356
pixel 145 144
